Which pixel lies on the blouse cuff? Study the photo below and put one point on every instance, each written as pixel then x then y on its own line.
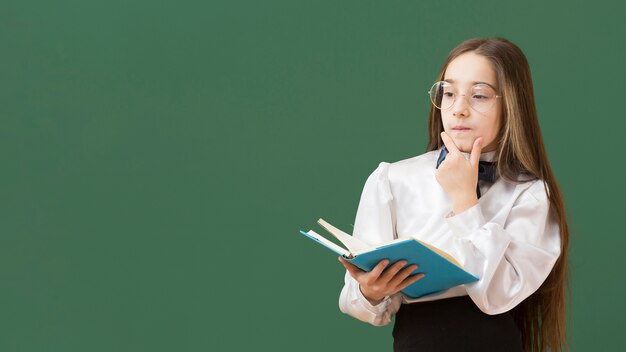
pixel 378 309
pixel 465 223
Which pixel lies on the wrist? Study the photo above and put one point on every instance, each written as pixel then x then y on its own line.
pixel 460 205
pixel 372 300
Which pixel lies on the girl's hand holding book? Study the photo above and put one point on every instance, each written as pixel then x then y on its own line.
pixel 382 281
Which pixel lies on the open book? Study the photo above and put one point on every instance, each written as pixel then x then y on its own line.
pixel 441 271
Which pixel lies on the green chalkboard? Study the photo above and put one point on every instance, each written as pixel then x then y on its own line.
pixel 159 158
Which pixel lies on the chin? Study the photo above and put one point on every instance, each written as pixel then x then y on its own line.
pixel 464 146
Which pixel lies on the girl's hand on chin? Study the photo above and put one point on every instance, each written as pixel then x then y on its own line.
pixel 458 176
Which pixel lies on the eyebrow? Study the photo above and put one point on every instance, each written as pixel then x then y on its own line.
pixel 473 83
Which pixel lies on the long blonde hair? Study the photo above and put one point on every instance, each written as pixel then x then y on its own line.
pixel 540 317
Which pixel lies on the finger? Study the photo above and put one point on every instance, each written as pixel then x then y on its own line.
pixel 409 281
pixel 402 275
pixel 452 148
pixel 391 272
pixel 476 149
pixel 378 269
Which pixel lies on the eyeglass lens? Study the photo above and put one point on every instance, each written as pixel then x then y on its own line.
pixel 480 97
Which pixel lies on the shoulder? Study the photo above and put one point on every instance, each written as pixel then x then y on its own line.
pixel 532 190
pixel 426 159
pixel 417 166
pixel 411 171
pixel 538 189
pixel 413 166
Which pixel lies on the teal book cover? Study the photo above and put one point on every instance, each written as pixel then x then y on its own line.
pixel 440 270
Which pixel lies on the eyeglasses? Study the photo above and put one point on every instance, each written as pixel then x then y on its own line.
pixel 481 96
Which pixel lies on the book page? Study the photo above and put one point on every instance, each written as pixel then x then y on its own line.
pixel 354 245
pixel 328 244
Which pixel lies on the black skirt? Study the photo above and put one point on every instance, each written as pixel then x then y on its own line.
pixel 453 324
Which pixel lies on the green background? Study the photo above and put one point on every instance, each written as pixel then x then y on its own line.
pixel 158 159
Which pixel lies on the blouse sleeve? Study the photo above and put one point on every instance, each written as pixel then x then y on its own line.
pixel 512 260
pixel 374 223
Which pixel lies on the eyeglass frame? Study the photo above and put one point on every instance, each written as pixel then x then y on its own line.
pixel 463 95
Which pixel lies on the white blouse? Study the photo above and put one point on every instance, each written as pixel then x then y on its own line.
pixel 508 239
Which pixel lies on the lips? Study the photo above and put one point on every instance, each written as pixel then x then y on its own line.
pixel 460 128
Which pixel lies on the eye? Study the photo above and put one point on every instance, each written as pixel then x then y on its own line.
pixel 448 94
pixel 482 92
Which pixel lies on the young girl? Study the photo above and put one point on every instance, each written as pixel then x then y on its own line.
pixel 486 194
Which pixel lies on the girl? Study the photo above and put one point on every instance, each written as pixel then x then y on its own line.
pixel 486 194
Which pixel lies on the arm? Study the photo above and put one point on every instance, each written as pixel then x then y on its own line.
pixel 375 223
pixel 512 259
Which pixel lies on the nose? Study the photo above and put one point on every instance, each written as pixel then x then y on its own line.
pixel 460 108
